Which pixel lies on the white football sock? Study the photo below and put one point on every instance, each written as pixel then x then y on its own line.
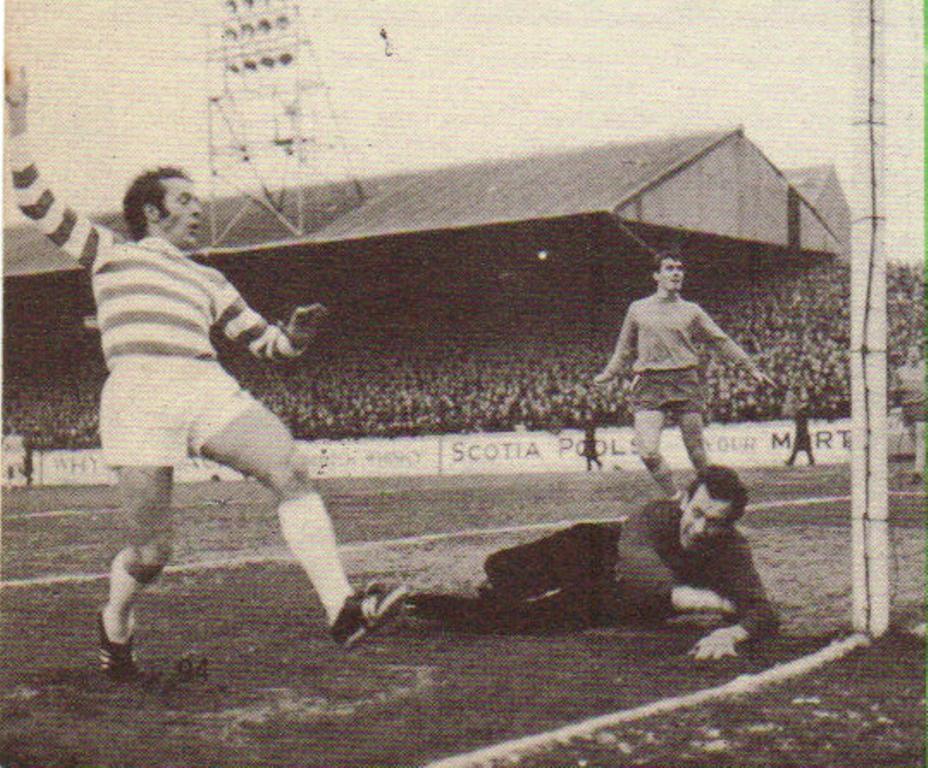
pixel 308 531
pixel 117 613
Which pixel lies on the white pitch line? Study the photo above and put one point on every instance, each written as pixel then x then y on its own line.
pixel 61 513
pixel 761 505
pixel 285 557
pixel 511 751
pixel 362 546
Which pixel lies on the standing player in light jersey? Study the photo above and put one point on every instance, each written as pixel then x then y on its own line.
pixel 166 394
pixel 659 333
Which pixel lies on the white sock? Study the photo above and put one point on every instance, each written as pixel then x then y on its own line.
pixel 118 616
pixel 308 531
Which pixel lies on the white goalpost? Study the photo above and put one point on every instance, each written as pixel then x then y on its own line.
pixel 870 546
pixel 869 487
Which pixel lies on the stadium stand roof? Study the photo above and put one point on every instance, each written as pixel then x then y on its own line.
pixel 820 186
pixel 543 186
pixel 810 181
pixel 547 185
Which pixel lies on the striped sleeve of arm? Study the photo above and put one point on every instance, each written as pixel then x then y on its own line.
pixel 242 324
pixel 74 233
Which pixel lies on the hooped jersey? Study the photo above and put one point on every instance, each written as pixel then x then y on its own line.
pixel 152 299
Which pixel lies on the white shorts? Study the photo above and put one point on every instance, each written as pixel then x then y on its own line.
pixel 154 412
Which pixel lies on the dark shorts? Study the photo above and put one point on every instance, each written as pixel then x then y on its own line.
pixel 677 390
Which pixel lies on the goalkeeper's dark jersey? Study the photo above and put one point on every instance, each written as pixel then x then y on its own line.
pixel 724 565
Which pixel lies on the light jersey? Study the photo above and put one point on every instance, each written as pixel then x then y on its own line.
pixel 152 300
pixel 660 332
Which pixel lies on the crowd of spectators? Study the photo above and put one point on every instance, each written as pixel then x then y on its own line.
pixel 424 378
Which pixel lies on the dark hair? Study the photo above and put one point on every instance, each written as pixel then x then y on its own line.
pixel 723 484
pixel 661 256
pixel 146 189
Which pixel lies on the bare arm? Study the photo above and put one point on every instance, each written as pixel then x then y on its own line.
pixel 744 591
pixel 624 350
pixel 69 230
pixel 728 346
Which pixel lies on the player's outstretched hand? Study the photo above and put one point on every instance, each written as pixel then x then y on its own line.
pixel 305 323
pixel 16 86
pixel 16 93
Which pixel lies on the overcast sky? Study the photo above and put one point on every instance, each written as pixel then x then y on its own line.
pixel 119 85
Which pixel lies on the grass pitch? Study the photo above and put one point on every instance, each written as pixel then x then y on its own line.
pixel 243 672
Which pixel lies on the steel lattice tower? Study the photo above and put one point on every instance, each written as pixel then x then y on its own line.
pixel 272 129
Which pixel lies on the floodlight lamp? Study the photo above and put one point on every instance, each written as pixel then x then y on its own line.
pixel 542 255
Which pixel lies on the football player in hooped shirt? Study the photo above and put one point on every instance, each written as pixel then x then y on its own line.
pixel 166 394
pixel 659 334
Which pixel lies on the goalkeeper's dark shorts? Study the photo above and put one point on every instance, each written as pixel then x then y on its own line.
pixel 565 581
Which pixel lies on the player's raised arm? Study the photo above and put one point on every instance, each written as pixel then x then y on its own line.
pixel 69 230
pixel 729 347
pixel 624 349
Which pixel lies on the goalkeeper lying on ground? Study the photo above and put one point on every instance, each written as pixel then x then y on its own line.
pixel 674 557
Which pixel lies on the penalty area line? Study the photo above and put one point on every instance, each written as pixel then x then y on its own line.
pixel 364 546
pixel 112 510
pixel 512 750
pixel 761 505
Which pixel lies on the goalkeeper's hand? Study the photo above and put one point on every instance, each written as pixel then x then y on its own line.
pixel 719 643
pixel 305 323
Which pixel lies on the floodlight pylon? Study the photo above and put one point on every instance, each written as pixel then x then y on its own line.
pixel 272 128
